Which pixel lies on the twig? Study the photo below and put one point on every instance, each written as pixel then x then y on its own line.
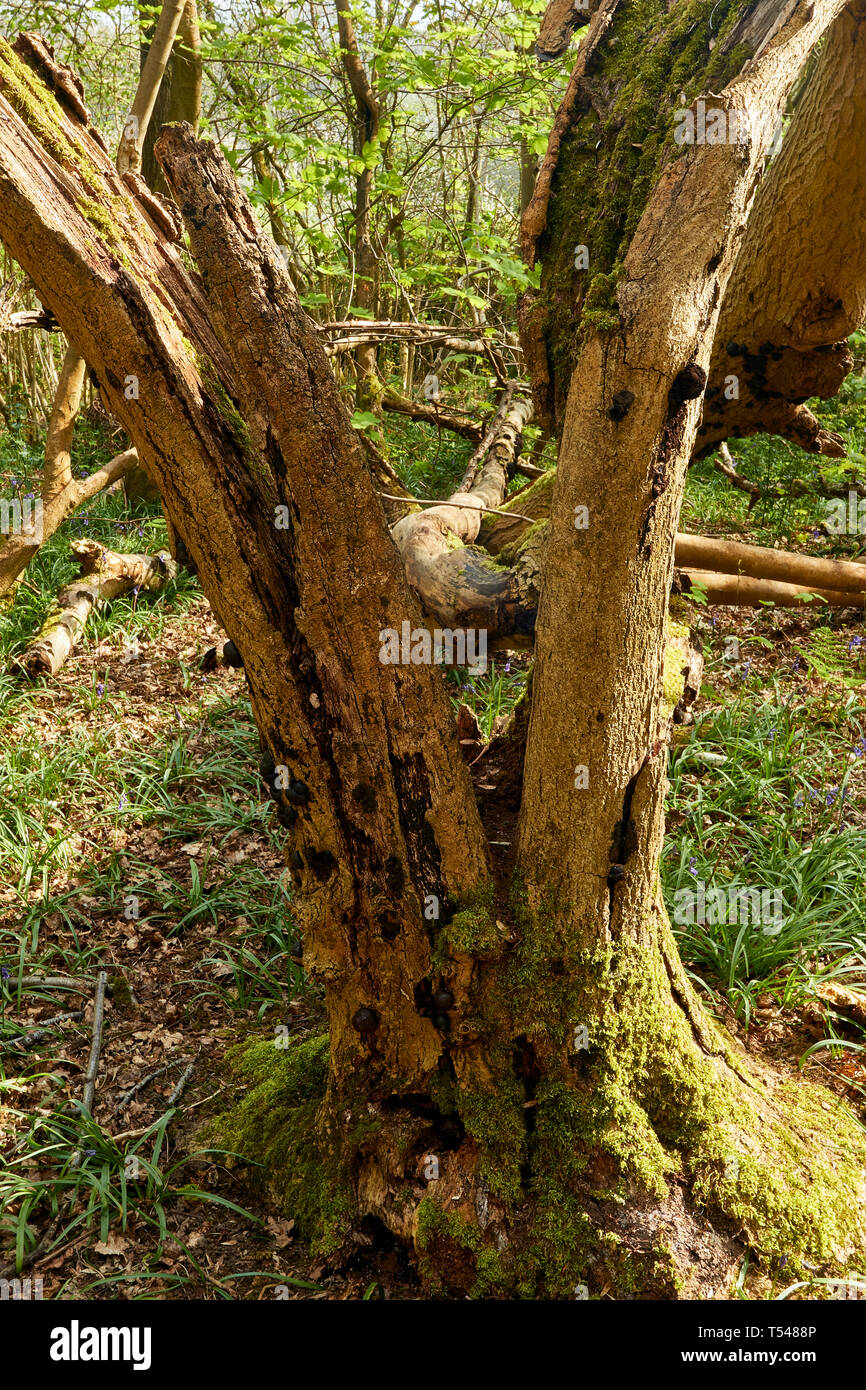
pixel 169 1110
pixel 180 1087
pixel 140 1085
pixel 725 464
pixel 449 502
pixel 36 1033
pixel 65 982
pixel 96 1043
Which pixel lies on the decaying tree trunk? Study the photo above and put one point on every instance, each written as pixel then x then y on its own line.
pixel 234 398
pixel 519 1078
pixel 105 575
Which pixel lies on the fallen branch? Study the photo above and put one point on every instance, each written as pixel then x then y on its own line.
pixel 96 1042
pixel 725 464
pixel 104 576
pixel 434 415
pixel 145 1081
pixel 458 583
pixel 24 1040
pixel 759 562
pixel 29 318
pixel 743 591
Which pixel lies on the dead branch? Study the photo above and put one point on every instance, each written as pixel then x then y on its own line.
pixel 433 414
pixel 105 575
pixel 96 1042
pixel 24 1040
pixel 146 1080
pixel 758 562
pixel 558 23
pixel 458 584
pixel 725 464
pixel 742 591
pixel 29 318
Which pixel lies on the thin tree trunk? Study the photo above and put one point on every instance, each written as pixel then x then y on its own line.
pixel 132 141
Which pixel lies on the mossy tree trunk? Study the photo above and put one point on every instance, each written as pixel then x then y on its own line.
pixel 661 1100
pixel 518 1078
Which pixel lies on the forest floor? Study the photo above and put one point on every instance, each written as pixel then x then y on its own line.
pixel 134 838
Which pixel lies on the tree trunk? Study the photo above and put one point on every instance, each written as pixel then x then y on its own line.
pixel 799 287
pixel 179 94
pixel 657 1102
pixel 366 138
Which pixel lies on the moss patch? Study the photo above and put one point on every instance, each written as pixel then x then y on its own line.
pixel 276 1124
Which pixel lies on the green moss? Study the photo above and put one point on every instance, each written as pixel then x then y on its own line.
pixel 100 221
pixel 276 1124
pixel 235 423
pixel 673 680
pixel 609 164
pixel 41 112
pixel 791 1182
pixel 494 1119
pixel 472 930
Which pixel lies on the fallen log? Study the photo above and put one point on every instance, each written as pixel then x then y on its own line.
pixel 759 562
pixel 459 584
pixel 743 591
pixel 105 575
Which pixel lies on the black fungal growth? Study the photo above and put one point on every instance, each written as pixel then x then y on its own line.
pixel 688 385
pixel 621 405
pixel 365 1020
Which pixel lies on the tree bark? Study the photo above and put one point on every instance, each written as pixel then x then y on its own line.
pixel 627 356
pixel 799 287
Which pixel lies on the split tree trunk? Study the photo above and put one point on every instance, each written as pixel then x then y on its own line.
pixel 520 1079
